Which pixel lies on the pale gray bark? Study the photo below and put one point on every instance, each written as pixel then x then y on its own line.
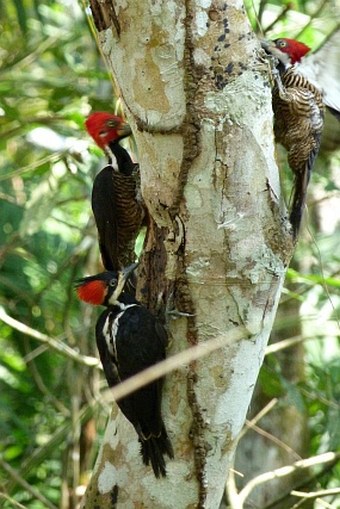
pixel 198 98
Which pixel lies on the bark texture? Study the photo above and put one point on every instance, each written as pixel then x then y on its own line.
pixel 198 98
pixel 256 453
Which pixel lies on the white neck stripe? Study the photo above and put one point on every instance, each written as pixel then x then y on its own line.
pixel 111 327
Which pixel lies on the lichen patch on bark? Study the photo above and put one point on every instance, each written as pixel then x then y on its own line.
pixel 107 478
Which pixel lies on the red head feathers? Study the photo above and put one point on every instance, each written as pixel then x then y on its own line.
pixel 295 49
pixel 106 128
pixel 99 289
pixel 93 289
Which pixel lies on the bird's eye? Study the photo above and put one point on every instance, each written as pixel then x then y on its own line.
pixel 112 123
pixel 281 43
pixel 113 282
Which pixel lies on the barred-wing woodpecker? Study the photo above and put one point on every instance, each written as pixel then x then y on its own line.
pixel 321 68
pixel 298 120
pixel 116 200
pixel 129 340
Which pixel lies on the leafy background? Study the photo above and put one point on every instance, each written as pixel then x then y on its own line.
pixel 53 408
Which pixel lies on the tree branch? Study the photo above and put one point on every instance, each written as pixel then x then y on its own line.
pixel 316 494
pixel 55 344
pixel 282 472
pixel 13 502
pixel 176 361
pixel 36 494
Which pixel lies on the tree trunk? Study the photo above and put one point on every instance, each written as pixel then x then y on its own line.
pixel 198 98
pixel 287 422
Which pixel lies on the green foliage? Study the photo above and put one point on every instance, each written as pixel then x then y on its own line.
pixel 305 374
pixel 50 70
pixel 300 19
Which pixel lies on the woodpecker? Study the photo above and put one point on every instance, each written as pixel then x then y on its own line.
pixel 322 68
pixel 116 202
pixel 129 340
pixel 298 118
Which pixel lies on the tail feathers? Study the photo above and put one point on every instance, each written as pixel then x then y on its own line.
pixel 300 191
pixel 153 450
pixel 299 200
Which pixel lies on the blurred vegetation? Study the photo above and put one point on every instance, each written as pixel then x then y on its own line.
pixel 51 76
pixel 53 408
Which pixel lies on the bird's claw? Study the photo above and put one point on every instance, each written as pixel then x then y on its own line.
pixel 175 313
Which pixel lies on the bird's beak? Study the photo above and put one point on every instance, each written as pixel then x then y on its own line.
pixel 271 49
pixel 266 44
pixel 128 270
pixel 123 276
pixel 124 129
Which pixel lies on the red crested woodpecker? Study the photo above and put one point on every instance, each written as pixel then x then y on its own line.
pixel 298 118
pixel 129 340
pixel 116 202
pixel 321 68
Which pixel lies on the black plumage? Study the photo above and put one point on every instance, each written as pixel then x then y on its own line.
pixel 130 339
pixel 118 209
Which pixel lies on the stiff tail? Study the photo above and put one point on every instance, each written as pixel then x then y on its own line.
pixel 300 191
pixel 299 199
pixel 153 450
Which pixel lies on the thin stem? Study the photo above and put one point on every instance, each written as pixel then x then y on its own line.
pixel 53 343
pixel 36 494
pixel 285 471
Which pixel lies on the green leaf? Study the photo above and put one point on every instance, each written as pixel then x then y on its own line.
pixel 12 452
pixel 21 15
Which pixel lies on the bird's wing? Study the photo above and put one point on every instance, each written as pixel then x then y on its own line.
pixel 104 206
